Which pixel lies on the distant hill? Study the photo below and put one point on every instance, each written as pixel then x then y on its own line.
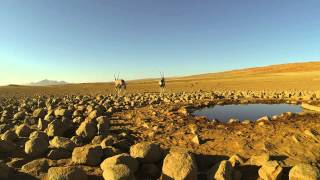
pixel 47 82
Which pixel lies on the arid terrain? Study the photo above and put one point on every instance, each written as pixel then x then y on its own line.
pixel 87 131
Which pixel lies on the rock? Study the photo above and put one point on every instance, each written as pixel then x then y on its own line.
pixel 97 139
pixel 60 112
pixel 221 171
pixel 183 111
pixel 4 171
pixel 123 158
pixel 263 119
pixel 110 151
pixel 7 146
pixel 39 113
pixel 23 130
pixel 232 120
pixel 193 128
pixel 55 128
pixel 179 164
pixel 118 172
pixel 150 170
pixel 56 154
pixel 66 173
pixel 103 125
pixel 36 167
pixel 270 170
pixel 236 160
pixel 9 136
pixel 77 140
pixel 259 160
pixel 146 152
pixel 88 155
pixel 246 122
pixel 62 142
pixel 19 115
pixel 38 134
pixel 311 134
pixel 87 129
pixel 42 124
pixel 304 171
pixel 108 141
pixel 36 147
pixel 94 114
pixel 195 140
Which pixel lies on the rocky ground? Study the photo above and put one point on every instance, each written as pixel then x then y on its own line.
pixel 152 136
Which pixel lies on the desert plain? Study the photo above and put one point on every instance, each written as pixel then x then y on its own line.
pixel 88 131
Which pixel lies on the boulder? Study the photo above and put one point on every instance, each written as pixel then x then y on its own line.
pixel 36 147
pixel 103 125
pixel 150 170
pixel 97 139
pixel 39 113
pixel 236 160
pixel 94 114
pixel 263 119
pixel 62 142
pixel 270 170
pixel 56 154
pixel 36 167
pixel 146 152
pixel 19 115
pixel 66 173
pixel 221 171
pixel 118 172
pixel 9 136
pixel 55 128
pixel 123 158
pixel 42 124
pixel 110 151
pixel 304 171
pixel 259 160
pixel 60 112
pixel 88 155
pixel 87 130
pixel 23 130
pixel 179 164
pixel 108 141
pixel 39 134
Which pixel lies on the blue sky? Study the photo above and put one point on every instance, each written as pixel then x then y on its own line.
pixel 90 40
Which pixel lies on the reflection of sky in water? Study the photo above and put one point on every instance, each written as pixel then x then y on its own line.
pixel 243 112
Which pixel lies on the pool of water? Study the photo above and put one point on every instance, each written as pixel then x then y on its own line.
pixel 245 111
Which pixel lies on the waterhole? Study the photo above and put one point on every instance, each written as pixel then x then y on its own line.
pixel 245 111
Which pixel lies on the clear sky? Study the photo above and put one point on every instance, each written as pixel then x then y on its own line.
pixel 90 40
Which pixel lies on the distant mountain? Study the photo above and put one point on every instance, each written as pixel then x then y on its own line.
pixel 47 82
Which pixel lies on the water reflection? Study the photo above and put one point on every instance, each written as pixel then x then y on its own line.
pixel 246 111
